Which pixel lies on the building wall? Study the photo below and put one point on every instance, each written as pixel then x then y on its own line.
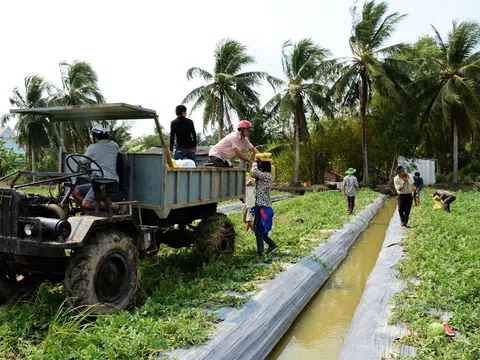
pixel 331 176
pixel 10 140
pixel 426 168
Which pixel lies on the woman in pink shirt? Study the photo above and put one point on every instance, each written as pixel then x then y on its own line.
pixel 231 145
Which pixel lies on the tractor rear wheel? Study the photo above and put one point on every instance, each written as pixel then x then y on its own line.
pixel 104 272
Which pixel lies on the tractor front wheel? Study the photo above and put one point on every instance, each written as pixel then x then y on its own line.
pixel 104 272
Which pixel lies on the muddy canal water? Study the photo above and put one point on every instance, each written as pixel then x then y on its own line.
pixel 319 330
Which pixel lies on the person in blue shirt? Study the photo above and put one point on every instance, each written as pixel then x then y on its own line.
pixel 417 187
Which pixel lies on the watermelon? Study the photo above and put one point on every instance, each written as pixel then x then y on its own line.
pixel 435 330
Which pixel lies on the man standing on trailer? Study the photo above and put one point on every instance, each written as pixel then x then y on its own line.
pixel 231 145
pixel 183 129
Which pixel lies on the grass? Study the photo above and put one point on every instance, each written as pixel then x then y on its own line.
pixel 176 295
pixel 39 190
pixel 442 269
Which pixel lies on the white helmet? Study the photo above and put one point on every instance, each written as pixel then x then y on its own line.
pixel 101 130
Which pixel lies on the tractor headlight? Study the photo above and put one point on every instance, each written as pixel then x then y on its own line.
pixel 63 229
pixel 55 229
pixel 28 229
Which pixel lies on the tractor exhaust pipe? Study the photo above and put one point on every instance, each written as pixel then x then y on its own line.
pixel 57 210
pixel 53 208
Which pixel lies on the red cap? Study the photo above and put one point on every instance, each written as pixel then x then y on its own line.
pixel 244 124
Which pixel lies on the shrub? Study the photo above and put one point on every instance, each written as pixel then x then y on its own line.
pixel 449 177
pixel 9 161
pixel 312 165
pixel 472 170
pixel 440 178
pixel 472 167
pixel 467 180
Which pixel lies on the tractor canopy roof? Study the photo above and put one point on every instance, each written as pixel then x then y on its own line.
pixel 96 112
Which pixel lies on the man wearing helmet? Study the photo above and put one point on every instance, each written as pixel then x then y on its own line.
pixel 231 145
pixel 104 152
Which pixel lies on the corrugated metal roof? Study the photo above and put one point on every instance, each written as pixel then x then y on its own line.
pixel 97 112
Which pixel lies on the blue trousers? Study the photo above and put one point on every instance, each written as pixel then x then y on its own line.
pixel 261 237
pixel 181 153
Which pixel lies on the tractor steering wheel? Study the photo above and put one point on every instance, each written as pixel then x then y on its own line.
pixel 73 158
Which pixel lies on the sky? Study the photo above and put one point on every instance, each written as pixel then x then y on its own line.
pixel 141 50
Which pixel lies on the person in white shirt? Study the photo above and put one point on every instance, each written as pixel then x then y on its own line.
pixel 404 186
pixel 350 188
pixel 249 203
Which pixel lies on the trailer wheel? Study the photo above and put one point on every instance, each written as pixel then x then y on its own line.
pixel 215 237
pixel 104 272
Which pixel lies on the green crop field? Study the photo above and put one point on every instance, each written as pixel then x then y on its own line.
pixel 175 292
pixel 442 267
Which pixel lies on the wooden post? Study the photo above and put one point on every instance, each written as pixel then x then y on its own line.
pixel 166 150
pixel 33 159
pixel 61 145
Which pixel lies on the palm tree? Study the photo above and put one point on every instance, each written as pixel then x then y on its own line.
pixel 32 131
pixel 228 89
pixel 79 87
pixel 369 69
pixel 303 64
pixel 452 86
pixel 119 132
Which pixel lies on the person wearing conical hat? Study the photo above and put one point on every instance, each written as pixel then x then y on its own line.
pixel 350 188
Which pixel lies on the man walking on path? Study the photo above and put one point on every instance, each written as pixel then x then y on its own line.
pixel 403 184
pixel 231 145
pixel 183 129
pixel 350 188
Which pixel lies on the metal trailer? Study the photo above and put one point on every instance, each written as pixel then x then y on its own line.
pixel 164 204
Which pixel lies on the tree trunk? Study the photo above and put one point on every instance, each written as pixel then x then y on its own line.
pixel 220 117
pixel 363 117
pixel 297 153
pixel 455 152
pixel 220 133
pixel 32 155
pixel 299 117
